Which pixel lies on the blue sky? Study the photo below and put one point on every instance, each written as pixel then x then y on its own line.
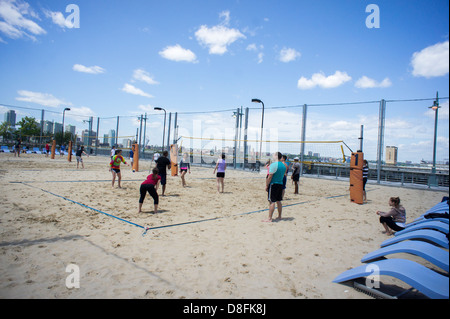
pixel 127 57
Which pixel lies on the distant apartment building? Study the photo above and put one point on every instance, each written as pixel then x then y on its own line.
pixel 57 128
pixel 112 137
pixel 88 138
pixel 391 155
pixel 126 142
pixel 106 139
pixel 10 117
pixel 47 128
pixel 71 129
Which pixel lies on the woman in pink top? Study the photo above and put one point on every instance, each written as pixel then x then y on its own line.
pixel 150 185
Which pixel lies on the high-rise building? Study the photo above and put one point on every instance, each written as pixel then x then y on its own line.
pixel 126 142
pixel 47 128
pixel 88 137
pixel 70 128
pixel 10 117
pixel 57 128
pixel 105 139
pixel 112 137
pixel 391 155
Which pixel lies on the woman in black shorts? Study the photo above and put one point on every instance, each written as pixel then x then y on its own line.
pixel 150 185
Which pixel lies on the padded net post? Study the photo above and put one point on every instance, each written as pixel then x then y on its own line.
pixel 135 148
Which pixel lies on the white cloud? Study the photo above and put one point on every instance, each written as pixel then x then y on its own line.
pixel 260 57
pixel 142 75
pixel 15 24
pixel 431 61
pixel 252 47
pixel 43 99
pixel 326 82
pixel 58 18
pixel 146 108
pixel 365 82
pixel 79 113
pixel 128 88
pixel 219 37
pixel 288 55
pixel 226 17
pixel 178 54
pixel 255 48
pixel 88 69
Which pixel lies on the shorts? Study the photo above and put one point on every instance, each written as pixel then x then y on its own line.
pixel 183 169
pixel 117 170
pixel 220 174
pixel 284 181
pixel 275 193
pixel 79 159
pixel 364 183
pixel 163 179
pixel 296 177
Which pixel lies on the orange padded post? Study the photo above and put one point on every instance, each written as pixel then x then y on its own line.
pixel 174 159
pixel 53 149
pixel 356 178
pixel 69 156
pixel 135 148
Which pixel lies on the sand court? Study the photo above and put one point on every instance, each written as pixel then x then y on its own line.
pixel 201 244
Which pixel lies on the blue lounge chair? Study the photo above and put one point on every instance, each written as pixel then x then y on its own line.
pixel 420 234
pixel 425 220
pixel 428 224
pixel 5 149
pixel 436 255
pixel 441 207
pixel 425 280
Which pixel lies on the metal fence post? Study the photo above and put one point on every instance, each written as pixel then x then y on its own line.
pixel 245 137
pixel 98 137
pixel 168 132
pixel 117 132
pixel 302 148
pixel 380 138
pixel 236 134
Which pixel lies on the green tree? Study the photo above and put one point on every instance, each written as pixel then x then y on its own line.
pixel 66 138
pixel 28 127
pixel 6 131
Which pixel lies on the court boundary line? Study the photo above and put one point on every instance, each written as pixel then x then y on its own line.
pixel 146 229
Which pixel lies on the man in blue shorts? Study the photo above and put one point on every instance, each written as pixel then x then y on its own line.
pixel 274 185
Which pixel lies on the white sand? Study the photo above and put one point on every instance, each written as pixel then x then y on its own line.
pixel 230 257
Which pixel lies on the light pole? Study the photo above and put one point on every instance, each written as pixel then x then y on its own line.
pixel 164 130
pixel 237 145
pixel 62 130
pixel 434 107
pixel 262 126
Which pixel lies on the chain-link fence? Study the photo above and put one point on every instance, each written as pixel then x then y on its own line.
pixel 405 141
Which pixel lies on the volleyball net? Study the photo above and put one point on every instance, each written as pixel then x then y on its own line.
pixel 198 150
